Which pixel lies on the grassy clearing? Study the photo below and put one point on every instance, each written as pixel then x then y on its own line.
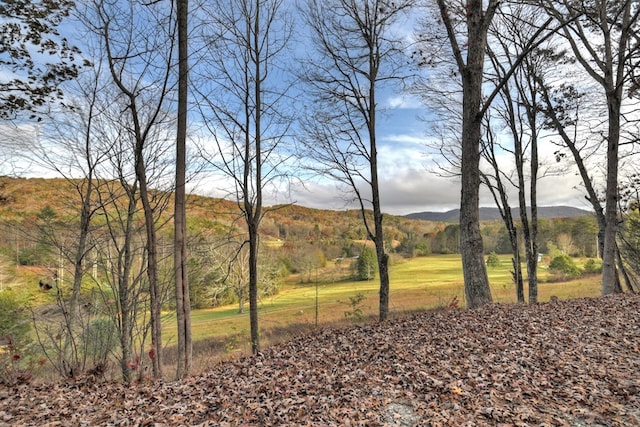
pixel 416 284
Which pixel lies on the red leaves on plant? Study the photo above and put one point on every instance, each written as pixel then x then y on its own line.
pixel 453 304
pixel 16 357
pixel 133 365
pixel 569 363
pixel 152 354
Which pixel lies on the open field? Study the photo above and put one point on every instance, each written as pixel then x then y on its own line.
pixel 416 284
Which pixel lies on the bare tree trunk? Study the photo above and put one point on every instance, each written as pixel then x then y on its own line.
pixel 610 283
pixel 499 194
pixel 353 44
pixel 531 228
pixel 253 209
pixel 378 231
pixel 126 296
pixel 604 58
pixel 476 281
pixel 183 304
pixel 152 268
pixel 253 289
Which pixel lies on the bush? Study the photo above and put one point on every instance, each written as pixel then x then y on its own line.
pixel 493 260
pixel 14 337
pixel 14 320
pixel 100 338
pixel 563 265
pixel 355 314
pixel 592 266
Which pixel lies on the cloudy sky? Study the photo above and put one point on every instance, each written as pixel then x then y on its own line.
pixel 409 178
pixel 409 181
pixel 407 173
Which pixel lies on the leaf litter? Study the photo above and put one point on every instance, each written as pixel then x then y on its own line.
pixel 563 363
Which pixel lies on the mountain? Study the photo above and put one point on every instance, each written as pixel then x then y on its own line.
pixel 492 214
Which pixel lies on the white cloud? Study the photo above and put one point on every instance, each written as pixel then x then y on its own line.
pixel 402 101
pixel 414 189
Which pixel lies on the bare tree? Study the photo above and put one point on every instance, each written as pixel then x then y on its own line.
pixel 183 302
pixel 468 48
pixel 601 36
pixel 69 143
pixel 519 108
pixel 477 22
pixel 498 182
pixel 122 259
pixel 355 55
pixel 139 61
pixel 242 100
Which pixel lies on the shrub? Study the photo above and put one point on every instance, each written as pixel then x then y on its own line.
pixel 14 337
pixel 100 338
pixel 423 249
pixel 493 260
pixel 592 266
pixel 355 314
pixel 563 265
pixel 14 320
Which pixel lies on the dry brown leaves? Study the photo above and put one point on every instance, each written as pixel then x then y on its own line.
pixel 573 363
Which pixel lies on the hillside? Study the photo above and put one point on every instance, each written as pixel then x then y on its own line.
pixel 492 214
pixel 567 363
pixel 22 199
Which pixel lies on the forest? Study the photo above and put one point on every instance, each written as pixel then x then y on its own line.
pixel 131 105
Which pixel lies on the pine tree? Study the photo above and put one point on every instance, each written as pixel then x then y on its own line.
pixel 366 266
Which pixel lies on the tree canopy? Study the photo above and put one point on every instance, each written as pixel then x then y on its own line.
pixel 34 57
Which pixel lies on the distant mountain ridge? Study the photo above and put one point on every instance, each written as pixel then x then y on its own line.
pixel 491 214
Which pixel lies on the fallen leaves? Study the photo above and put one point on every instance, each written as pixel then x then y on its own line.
pixel 573 363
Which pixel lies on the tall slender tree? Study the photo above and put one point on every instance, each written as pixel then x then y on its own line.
pixel 243 101
pixel 355 56
pixel 519 109
pixel 183 303
pixel 139 61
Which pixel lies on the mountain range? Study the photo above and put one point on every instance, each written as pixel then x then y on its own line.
pixel 491 214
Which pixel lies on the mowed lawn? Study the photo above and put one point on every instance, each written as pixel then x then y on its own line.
pixel 416 284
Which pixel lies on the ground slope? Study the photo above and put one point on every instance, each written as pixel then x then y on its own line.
pixel 562 363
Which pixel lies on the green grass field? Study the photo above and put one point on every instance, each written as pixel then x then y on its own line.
pixel 416 284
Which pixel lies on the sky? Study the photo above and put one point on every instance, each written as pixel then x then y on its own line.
pixel 409 180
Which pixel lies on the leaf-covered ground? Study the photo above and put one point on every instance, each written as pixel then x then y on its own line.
pixel 574 363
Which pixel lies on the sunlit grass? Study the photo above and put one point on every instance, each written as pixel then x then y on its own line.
pixel 416 284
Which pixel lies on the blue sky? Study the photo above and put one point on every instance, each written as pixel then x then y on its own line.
pixel 408 180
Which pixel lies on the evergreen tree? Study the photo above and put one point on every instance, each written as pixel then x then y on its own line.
pixel 366 266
